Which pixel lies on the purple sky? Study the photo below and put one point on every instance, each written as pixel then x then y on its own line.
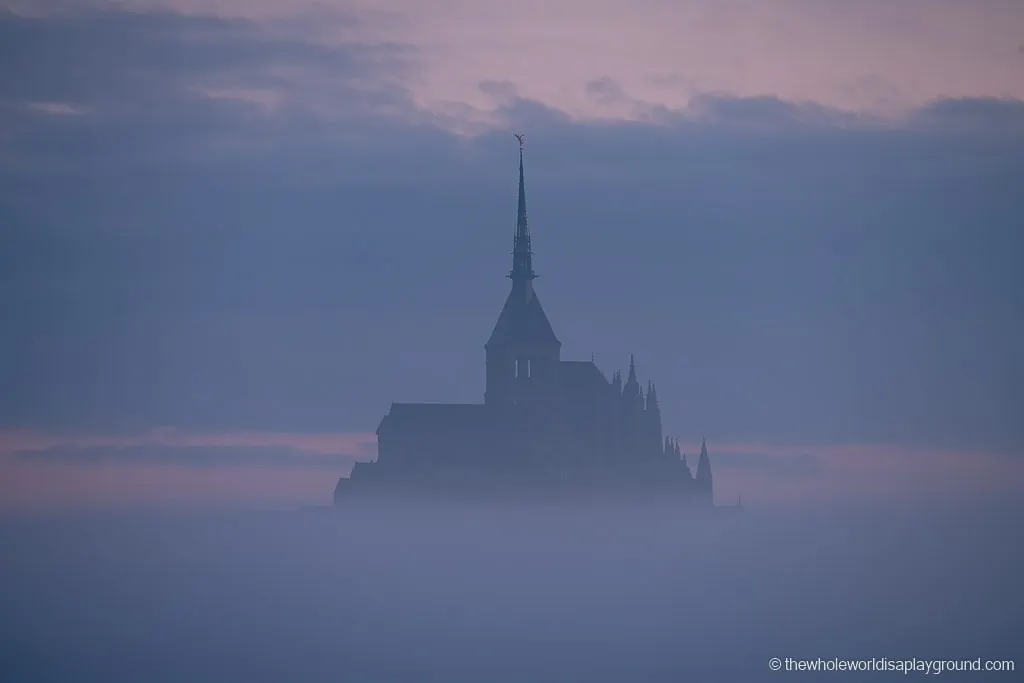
pixel 231 232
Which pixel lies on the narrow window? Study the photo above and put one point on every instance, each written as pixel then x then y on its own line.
pixel 517 368
pixel 529 369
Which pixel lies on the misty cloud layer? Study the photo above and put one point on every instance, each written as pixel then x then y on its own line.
pixel 537 594
pixel 194 456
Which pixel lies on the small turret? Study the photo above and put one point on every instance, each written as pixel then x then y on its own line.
pixel 703 478
pixel 632 391
pixel 651 401
pixel 631 380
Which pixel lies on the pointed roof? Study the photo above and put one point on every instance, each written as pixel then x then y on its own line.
pixel 522 321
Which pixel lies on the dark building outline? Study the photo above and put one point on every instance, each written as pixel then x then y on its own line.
pixel 547 426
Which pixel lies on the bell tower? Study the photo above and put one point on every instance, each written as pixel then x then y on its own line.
pixel 523 351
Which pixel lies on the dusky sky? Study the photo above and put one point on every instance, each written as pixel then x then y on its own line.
pixel 232 232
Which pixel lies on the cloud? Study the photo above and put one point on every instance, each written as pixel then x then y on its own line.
pixel 827 474
pixel 192 456
pixel 161 439
pixel 157 86
pixel 605 90
pixel 665 52
pixel 160 85
pixel 57 108
pixel 53 470
pixel 779 465
pixel 767 112
pixel 173 466
pixel 986 115
pixel 502 91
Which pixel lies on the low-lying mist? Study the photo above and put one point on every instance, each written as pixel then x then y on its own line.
pixel 495 594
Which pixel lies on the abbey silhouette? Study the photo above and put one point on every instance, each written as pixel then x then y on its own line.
pixel 546 426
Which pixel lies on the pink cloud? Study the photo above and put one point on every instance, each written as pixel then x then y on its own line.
pixel 325 444
pixel 860 473
pixel 28 483
pixel 27 486
pixel 872 55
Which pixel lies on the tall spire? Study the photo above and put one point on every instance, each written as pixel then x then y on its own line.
pixel 522 255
